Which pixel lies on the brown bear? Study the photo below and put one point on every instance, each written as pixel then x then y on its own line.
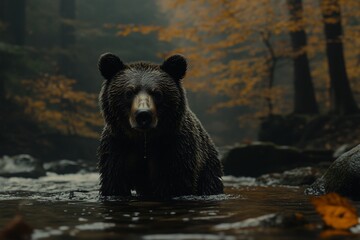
pixel 152 142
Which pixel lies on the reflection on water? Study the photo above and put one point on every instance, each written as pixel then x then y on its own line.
pixel 68 207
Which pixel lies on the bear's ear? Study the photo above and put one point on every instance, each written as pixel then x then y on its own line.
pixel 175 66
pixel 109 65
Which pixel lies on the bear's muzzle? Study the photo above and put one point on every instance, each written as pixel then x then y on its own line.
pixel 143 112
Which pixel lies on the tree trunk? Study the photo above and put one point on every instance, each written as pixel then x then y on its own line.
pixel 67 12
pixel 2 11
pixel 2 82
pixel 2 88
pixel 13 15
pixel 67 29
pixel 271 65
pixel 304 94
pixel 342 98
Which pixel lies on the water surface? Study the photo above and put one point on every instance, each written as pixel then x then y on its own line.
pixel 69 207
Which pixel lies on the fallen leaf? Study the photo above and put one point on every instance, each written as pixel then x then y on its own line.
pixel 336 211
pixel 16 229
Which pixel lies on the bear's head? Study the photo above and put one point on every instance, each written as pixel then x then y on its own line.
pixel 142 96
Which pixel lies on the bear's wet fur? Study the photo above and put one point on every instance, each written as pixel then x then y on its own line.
pixel 175 158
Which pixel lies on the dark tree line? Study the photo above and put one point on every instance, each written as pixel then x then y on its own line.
pixel 13 33
pixel 13 18
pixel 67 11
pixel 304 99
pixel 342 99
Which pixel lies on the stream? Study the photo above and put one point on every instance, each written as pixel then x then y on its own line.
pixel 69 207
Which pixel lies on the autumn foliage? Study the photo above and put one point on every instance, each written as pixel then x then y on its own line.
pixel 52 102
pixel 235 48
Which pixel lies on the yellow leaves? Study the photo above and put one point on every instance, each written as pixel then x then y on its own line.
pixel 337 212
pixel 330 6
pixel 54 104
pixel 164 33
pixel 222 40
pixel 126 29
pixel 179 31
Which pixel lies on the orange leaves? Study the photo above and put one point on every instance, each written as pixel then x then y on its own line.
pixel 164 33
pixel 225 48
pixel 336 211
pixel 52 102
pixel 177 31
pixel 223 42
pixel 330 6
pixel 126 29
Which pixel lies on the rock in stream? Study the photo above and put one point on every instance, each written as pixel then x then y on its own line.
pixel 22 165
pixel 343 176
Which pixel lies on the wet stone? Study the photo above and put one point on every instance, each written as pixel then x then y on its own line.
pixel 22 165
pixel 295 177
pixel 343 177
pixel 255 159
pixel 65 166
pixel 62 167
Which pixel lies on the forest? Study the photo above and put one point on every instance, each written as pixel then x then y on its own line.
pixel 282 64
pixel 255 68
pixel 49 79
pixel 274 83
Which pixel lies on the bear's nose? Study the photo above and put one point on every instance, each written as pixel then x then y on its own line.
pixel 143 118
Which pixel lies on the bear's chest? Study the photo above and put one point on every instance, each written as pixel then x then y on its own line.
pixel 143 166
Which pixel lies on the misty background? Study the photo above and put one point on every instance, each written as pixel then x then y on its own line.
pixel 49 79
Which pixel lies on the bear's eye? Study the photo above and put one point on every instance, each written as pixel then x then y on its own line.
pixel 158 96
pixel 129 94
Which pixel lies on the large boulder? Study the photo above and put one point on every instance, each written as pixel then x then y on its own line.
pixel 259 158
pixel 343 176
pixel 22 165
